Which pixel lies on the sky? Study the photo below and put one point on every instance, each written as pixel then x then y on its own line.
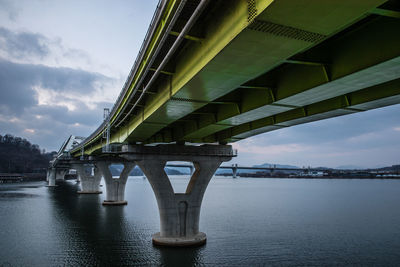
pixel 62 62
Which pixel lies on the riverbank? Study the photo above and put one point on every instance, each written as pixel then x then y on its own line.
pixel 21 177
pixel 293 176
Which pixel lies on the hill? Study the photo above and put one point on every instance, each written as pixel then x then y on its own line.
pixel 18 155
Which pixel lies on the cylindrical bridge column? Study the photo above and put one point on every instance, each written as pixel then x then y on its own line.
pixel 90 184
pixel 115 186
pixel 179 213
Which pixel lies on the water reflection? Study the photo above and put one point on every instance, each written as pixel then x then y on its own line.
pixel 181 256
pixel 94 234
pixel 249 222
pixel 89 229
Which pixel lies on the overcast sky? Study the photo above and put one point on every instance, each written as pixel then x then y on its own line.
pixel 62 62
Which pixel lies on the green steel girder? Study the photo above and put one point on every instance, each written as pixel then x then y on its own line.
pixel 386 12
pixel 163 71
pixel 95 143
pixel 241 43
pixel 234 51
pixel 307 81
pixel 250 54
pixel 189 37
pixel 244 58
pixel 316 16
pixel 380 95
pixel 230 22
pixel 156 38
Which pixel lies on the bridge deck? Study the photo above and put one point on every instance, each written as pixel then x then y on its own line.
pixel 255 66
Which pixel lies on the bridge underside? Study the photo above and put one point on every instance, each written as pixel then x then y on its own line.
pixel 258 66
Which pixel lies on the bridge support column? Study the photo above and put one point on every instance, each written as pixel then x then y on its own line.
pixel 51 176
pixel 234 171
pixel 179 212
pixel 60 174
pixel 115 186
pixel 90 184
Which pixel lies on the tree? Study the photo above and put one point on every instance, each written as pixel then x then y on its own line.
pixel 19 155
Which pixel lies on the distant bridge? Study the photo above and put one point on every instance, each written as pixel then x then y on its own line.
pixel 272 168
pixel 235 168
pixel 211 73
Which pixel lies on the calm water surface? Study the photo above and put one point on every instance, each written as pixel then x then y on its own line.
pixel 249 222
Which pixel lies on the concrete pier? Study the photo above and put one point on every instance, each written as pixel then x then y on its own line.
pixel 115 187
pixel 60 174
pixel 51 177
pixel 90 184
pixel 179 212
pixel 234 170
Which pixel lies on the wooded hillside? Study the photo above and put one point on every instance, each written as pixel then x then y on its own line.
pixel 18 155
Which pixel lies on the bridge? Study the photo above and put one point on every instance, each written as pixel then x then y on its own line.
pixel 209 74
pixel 236 167
pixel 300 171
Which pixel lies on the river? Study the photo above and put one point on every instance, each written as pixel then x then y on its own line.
pixel 248 222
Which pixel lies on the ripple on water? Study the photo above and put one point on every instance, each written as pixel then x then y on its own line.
pixel 13 195
pixel 248 222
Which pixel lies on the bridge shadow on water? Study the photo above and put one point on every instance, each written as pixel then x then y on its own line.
pixel 94 235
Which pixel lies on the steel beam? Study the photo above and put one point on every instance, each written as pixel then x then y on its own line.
pixel 373 97
pixel 305 82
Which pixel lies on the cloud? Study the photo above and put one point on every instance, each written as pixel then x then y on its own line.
pixel 30 131
pixel 46 104
pixel 35 48
pixel 22 45
pixel 50 126
pixel 336 129
pixel 8 8
pixel 366 139
pixel 26 85
pixel 256 148
pixel 45 92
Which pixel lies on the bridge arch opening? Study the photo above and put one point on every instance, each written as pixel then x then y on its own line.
pixel 116 170
pixel 180 174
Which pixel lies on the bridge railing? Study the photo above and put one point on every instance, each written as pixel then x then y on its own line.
pixel 150 30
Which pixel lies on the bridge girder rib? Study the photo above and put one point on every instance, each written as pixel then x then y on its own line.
pixel 232 53
pixel 359 59
pixel 386 12
pixel 374 97
pixel 191 60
